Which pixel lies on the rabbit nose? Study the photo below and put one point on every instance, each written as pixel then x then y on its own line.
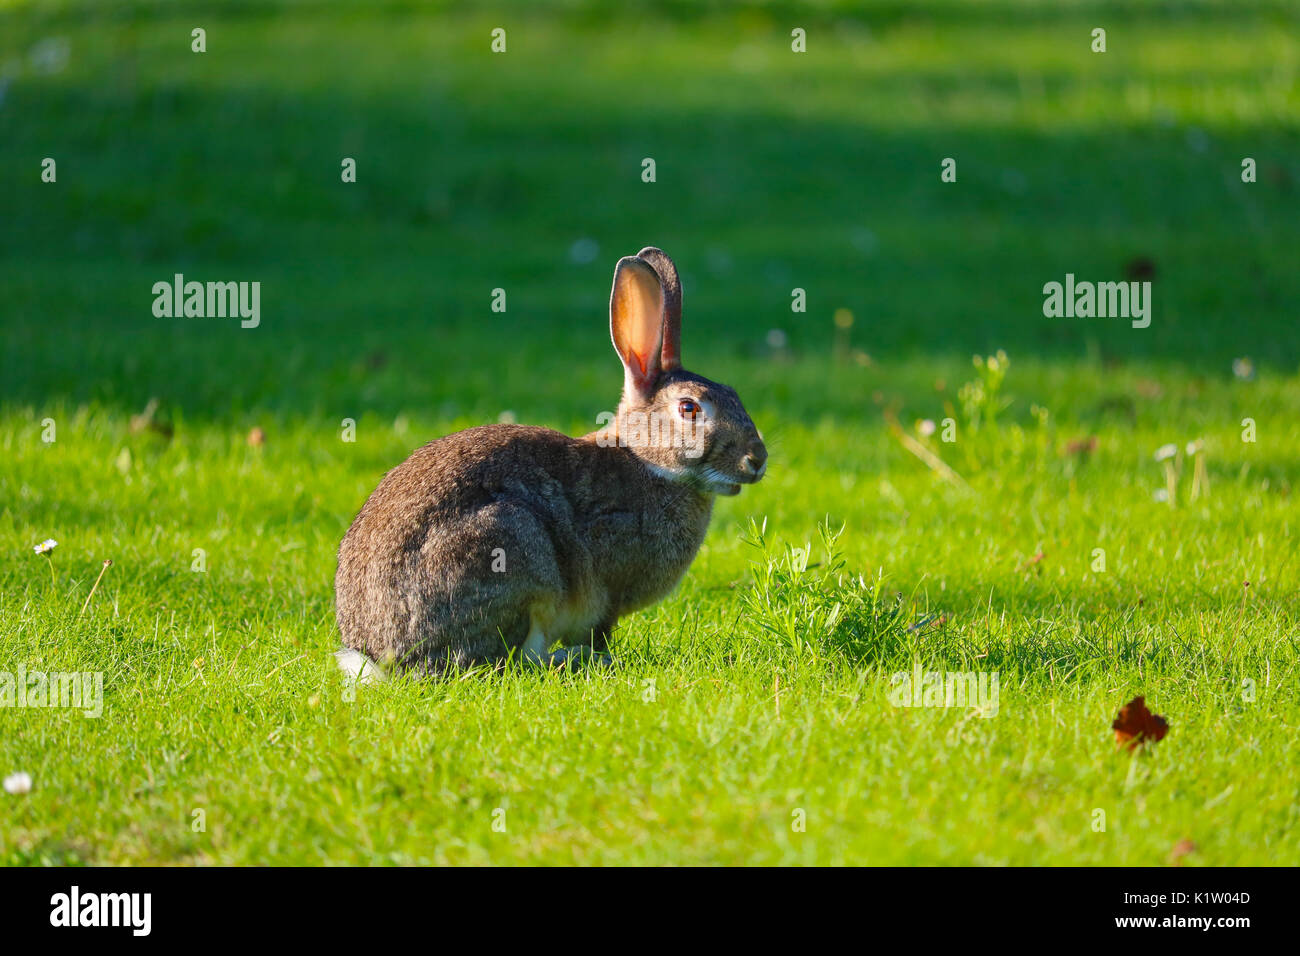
pixel 755 460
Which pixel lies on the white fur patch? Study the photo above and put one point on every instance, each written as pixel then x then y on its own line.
pixel 534 649
pixel 661 472
pixel 358 667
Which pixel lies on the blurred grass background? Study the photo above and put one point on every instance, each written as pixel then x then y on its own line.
pixel 775 170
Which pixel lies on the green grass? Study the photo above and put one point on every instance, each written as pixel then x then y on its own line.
pixel 761 687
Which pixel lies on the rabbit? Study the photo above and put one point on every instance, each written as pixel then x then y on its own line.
pixel 501 541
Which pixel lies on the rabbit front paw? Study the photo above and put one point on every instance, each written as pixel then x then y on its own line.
pixel 571 657
pixel 576 656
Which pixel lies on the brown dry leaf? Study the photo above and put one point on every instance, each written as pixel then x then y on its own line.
pixel 1140 267
pixel 146 421
pixel 1180 850
pixel 1136 725
pixel 1032 561
pixel 1082 446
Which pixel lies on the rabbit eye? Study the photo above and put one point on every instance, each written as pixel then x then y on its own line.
pixel 688 409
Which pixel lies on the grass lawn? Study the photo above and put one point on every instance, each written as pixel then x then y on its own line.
pixel 749 719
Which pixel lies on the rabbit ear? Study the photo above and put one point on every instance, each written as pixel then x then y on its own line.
pixel 671 355
pixel 636 323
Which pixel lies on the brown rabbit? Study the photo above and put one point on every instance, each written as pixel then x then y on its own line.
pixel 503 540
